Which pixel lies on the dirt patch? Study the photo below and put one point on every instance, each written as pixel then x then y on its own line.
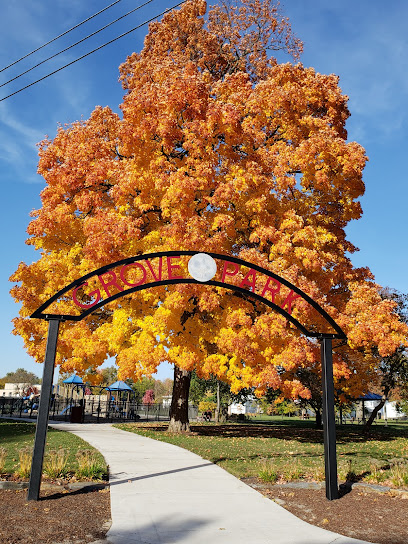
pixel 65 516
pixel 362 514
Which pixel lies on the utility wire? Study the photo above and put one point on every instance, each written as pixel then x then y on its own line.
pixel 63 34
pixel 93 51
pixel 74 44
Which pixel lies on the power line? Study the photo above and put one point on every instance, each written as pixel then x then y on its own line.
pixel 60 36
pixel 93 51
pixel 76 43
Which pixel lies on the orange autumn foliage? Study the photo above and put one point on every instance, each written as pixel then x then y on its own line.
pixel 218 148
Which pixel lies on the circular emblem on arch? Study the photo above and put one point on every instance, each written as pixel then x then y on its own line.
pixel 202 267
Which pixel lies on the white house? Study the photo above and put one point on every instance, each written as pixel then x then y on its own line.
pixel 166 400
pixel 251 406
pixel 388 411
pixel 18 389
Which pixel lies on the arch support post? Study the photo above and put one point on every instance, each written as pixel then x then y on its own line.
pixel 43 411
pixel 329 421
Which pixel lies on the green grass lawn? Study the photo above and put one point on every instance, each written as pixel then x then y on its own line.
pixel 293 450
pixel 17 437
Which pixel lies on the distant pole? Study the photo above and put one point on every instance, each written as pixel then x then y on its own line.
pixel 218 403
pixel 43 411
pixel 329 421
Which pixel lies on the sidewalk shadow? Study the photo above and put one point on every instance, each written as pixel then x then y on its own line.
pixel 155 474
pixel 166 529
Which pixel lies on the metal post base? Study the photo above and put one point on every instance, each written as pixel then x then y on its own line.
pixel 43 412
pixel 329 422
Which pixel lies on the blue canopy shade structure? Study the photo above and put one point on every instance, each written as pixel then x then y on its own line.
pixel 370 396
pixel 74 379
pixel 119 386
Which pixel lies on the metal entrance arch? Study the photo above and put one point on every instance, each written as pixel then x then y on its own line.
pixel 255 282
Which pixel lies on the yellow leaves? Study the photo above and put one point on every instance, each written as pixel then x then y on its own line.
pixel 291 222
pixel 183 357
pixel 216 364
pixel 309 258
pixel 209 301
pixel 239 318
pixel 117 333
pixel 372 320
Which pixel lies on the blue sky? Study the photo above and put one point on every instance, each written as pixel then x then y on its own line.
pixel 363 42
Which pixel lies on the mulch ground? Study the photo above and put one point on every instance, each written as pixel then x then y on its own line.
pixel 381 518
pixel 83 516
pixel 79 517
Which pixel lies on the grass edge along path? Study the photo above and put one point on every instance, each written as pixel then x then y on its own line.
pixel 66 455
pixel 283 453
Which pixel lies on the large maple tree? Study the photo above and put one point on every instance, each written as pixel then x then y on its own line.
pixel 218 148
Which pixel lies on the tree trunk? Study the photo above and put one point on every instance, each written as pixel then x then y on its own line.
pixel 218 410
pixel 179 402
pixel 223 414
pixel 374 413
pixel 319 423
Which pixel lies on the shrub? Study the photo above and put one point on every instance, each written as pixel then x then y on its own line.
pixel 399 474
pixel 317 474
pixel 88 465
pixel 345 470
pixel 3 455
pixel 377 475
pixel 24 462
pixel 55 463
pixel 267 473
pixel 207 406
pixel 351 475
pixel 294 472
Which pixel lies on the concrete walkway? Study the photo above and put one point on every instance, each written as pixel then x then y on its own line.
pixel 163 494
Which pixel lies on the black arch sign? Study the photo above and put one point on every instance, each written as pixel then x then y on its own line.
pixel 258 283
pixel 117 279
